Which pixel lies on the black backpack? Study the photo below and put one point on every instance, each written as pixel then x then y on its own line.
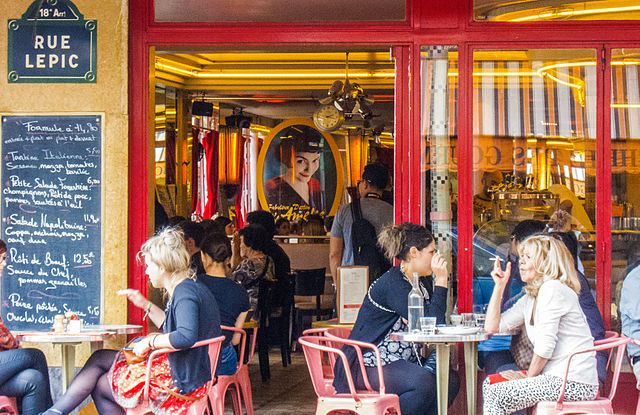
pixel 364 243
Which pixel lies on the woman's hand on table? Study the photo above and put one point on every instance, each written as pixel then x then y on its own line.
pixel 513 374
pixel 135 297
pixel 500 276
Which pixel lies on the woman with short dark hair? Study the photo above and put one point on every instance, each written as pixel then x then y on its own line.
pixel 256 265
pixel 232 298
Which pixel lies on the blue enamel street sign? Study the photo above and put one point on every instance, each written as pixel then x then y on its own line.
pixel 52 43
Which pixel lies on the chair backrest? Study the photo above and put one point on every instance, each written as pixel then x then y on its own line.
pixel 608 336
pixel 214 353
pixel 243 341
pixel 310 282
pixel 315 346
pixel 339 332
pixel 315 332
pixel 619 344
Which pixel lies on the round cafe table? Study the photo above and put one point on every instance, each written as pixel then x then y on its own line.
pixel 443 342
pixel 95 335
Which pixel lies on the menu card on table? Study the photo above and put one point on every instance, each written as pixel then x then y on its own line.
pixel 352 287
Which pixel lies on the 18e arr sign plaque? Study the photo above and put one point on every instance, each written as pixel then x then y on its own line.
pixel 52 43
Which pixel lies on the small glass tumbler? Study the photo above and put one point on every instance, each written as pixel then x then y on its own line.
pixel 467 319
pixel 428 325
pixel 456 319
pixel 479 319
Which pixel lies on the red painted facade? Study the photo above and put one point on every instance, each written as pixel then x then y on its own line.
pixel 435 22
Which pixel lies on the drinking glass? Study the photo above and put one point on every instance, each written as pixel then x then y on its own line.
pixel 479 319
pixel 467 319
pixel 456 319
pixel 428 325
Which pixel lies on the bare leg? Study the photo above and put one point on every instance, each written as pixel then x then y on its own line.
pixel 85 383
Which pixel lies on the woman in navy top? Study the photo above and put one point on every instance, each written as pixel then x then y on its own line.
pixel 191 315
pixel 232 298
pixel 384 310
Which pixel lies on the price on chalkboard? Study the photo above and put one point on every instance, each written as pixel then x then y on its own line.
pixel 51 218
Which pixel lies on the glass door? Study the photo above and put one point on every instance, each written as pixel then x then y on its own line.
pixel 534 156
pixel 624 142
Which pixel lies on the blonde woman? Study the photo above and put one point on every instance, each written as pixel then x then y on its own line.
pixel 555 324
pixel 191 315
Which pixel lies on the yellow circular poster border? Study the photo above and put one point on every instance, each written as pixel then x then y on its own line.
pixel 334 151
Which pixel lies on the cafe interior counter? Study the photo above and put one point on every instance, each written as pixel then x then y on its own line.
pixel 306 252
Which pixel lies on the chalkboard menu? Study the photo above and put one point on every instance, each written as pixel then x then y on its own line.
pixel 51 218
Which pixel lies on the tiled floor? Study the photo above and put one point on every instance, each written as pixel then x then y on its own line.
pixel 289 391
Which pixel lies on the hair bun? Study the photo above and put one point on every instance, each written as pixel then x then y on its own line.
pixel 171 238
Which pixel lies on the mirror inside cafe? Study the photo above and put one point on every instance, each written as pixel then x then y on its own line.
pixel 223 120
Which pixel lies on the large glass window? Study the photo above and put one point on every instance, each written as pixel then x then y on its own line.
pixel 280 11
pixel 625 170
pixel 439 131
pixel 550 10
pixel 534 142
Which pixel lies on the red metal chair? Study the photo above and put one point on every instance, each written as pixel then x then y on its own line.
pixel 361 402
pixel 599 405
pixel 239 380
pixel 8 406
pixel 198 407
pixel 339 332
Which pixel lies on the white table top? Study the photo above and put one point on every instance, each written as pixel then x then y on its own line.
pixel 117 328
pixel 92 333
pixel 478 336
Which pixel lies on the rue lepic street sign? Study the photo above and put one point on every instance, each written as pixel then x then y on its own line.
pixel 52 43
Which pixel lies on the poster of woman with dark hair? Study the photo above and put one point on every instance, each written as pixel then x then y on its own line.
pixel 301 171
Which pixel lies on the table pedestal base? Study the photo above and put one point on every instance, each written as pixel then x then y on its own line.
pixel 68 363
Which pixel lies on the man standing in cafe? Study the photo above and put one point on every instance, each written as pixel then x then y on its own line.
pixel 377 212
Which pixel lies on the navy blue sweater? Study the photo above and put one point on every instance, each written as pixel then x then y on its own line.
pixel 390 291
pixel 191 315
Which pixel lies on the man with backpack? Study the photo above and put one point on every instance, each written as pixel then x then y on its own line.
pixel 357 225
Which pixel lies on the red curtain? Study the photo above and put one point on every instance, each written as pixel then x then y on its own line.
pixel 210 144
pixel 195 158
pixel 241 173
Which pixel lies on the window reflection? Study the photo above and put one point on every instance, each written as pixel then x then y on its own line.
pixel 549 10
pixel 534 129
pixel 439 131
pixel 625 170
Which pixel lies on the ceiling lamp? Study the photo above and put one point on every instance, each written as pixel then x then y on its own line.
pixel 348 98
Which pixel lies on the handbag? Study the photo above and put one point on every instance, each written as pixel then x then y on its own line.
pixel 521 349
pixel 133 359
pixel 129 355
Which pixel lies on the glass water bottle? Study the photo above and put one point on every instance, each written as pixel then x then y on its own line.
pixel 416 305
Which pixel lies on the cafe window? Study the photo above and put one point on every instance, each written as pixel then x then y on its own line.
pixel 281 11
pixel 625 170
pixel 534 153
pixel 439 114
pixel 555 10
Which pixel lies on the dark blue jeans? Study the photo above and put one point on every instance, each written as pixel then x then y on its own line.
pixel 25 376
pixel 414 385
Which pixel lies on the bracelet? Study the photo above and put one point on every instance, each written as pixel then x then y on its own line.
pixel 152 342
pixel 147 311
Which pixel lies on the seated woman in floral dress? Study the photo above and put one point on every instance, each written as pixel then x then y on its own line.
pixel 191 315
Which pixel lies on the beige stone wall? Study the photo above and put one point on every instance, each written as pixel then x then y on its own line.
pixel 109 97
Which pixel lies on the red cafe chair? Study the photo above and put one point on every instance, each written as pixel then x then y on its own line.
pixel 368 402
pixel 8 405
pixel 198 407
pixel 240 380
pixel 599 405
pixel 314 332
pixel 340 332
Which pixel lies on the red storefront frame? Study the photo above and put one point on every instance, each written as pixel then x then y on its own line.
pixel 428 22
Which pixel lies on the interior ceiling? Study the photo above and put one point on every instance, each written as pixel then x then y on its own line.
pixel 532 10
pixel 278 84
